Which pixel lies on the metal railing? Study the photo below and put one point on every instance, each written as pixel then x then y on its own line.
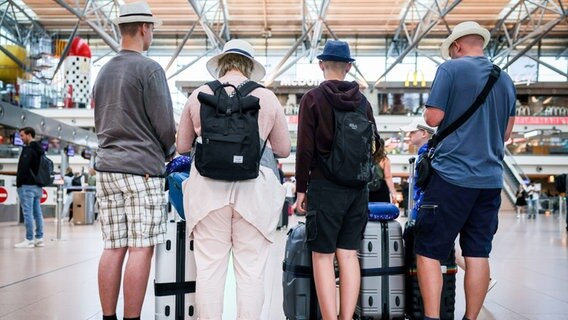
pixel 61 191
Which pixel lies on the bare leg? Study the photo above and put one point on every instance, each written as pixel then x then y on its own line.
pixel 324 276
pixel 136 280
pixel 430 282
pixel 109 276
pixel 475 284
pixel 350 280
pixel 460 261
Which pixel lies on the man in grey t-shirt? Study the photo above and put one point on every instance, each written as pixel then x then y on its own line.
pixel 136 134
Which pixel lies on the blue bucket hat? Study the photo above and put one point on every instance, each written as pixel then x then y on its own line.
pixel 336 50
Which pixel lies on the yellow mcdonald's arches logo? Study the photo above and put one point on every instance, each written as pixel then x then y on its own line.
pixel 414 76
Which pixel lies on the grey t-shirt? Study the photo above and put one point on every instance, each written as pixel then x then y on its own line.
pixel 134 119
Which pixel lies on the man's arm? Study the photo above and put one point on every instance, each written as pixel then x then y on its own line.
pixel 306 149
pixel 433 116
pixel 509 128
pixel 158 104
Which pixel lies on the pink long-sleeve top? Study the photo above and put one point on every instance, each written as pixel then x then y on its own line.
pixel 259 201
pixel 271 118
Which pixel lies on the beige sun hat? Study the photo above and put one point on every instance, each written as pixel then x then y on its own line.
pixel 461 30
pixel 136 12
pixel 237 46
pixel 417 123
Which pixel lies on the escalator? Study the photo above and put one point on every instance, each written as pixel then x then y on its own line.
pixel 513 176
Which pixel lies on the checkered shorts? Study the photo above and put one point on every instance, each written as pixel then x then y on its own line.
pixel 132 210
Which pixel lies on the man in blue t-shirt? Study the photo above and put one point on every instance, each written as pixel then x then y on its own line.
pixel 464 194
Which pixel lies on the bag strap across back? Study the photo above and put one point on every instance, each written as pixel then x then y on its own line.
pixel 439 136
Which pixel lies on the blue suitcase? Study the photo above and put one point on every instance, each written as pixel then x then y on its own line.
pixel 175 181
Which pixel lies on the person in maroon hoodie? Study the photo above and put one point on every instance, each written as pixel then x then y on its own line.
pixel 341 211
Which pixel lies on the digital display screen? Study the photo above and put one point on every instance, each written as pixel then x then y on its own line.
pixel 86 154
pixel 70 151
pixel 44 144
pixel 17 140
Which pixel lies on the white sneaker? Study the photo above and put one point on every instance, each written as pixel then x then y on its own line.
pixel 25 244
pixel 492 283
pixel 39 242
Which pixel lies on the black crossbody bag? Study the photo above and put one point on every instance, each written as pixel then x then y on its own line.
pixel 424 164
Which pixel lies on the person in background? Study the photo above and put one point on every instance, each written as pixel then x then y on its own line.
pixel 418 133
pixel 67 183
pixel 337 215
pixel 521 200
pixel 463 195
pixel 29 191
pixel 382 166
pixel 234 217
pixel 135 128
pixel 290 187
pixel 92 179
pixel 533 196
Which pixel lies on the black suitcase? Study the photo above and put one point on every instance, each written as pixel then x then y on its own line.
pixel 414 306
pixel 283 222
pixel 174 284
pixel 300 298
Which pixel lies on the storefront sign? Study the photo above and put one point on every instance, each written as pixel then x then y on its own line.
pixel 300 83
pixel 541 120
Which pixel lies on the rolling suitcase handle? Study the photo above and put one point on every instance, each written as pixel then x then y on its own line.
pixel 411 215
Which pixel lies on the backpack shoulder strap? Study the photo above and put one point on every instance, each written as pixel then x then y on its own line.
pixel 215 86
pixel 363 105
pixel 248 87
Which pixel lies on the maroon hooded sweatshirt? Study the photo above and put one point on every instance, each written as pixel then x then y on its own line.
pixel 315 125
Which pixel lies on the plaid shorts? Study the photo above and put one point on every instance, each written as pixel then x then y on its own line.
pixel 132 210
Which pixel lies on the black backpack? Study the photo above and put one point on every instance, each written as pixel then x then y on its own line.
pixel 230 143
pixel 45 173
pixel 377 176
pixel 349 162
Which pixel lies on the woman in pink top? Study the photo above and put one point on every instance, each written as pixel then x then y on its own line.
pixel 238 217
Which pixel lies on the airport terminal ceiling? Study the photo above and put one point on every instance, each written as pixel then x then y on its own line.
pixel 280 27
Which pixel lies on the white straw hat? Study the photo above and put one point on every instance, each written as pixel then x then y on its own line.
pixel 461 30
pixel 417 124
pixel 237 46
pixel 136 12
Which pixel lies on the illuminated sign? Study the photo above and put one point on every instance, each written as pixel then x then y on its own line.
pixel 300 83
pixel 541 120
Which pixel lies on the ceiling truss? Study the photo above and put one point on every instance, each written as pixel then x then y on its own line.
pixel 373 27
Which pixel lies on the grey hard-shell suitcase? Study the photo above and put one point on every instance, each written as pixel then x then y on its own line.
pixel 174 285
pixel 300 299
pixel 381 257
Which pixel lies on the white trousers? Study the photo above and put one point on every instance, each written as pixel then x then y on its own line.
pixel 221 232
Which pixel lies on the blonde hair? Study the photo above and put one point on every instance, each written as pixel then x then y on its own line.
pixel 233 61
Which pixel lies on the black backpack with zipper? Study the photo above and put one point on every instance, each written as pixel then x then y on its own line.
pixel 229 147
pixel 45 173
pixel 349 161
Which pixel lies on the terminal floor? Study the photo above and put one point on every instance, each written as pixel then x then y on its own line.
pixel 59 281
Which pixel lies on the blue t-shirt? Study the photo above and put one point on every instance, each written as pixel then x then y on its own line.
pixel 472 156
